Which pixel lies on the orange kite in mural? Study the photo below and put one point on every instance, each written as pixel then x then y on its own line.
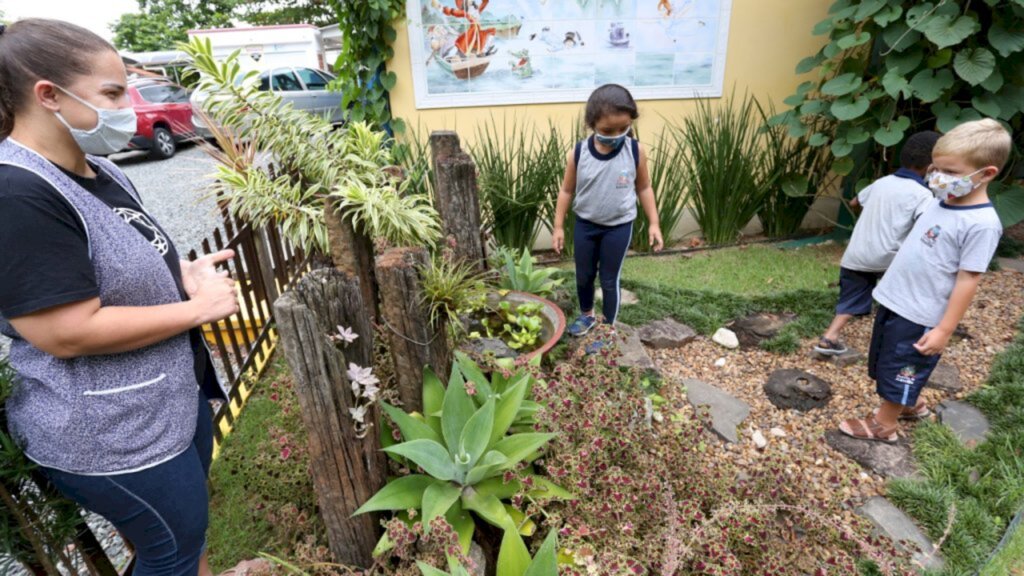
pixel 474 39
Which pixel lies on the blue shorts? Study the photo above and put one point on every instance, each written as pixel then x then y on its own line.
pixel 855 288
pixel 163 511
pixel 899 370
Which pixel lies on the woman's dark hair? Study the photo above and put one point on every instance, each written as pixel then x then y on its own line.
pixel 917 150
pixel 39 49
pixel 609 99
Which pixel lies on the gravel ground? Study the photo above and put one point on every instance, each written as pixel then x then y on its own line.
pixel 990 321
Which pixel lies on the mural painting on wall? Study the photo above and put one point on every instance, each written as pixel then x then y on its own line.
pixel 485 52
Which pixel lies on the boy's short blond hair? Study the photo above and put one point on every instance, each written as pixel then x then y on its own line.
pixel 980 142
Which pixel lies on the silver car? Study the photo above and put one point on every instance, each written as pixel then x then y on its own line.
pixel 305 88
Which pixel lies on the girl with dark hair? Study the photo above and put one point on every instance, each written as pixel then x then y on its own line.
pixel 112 376
pixel 605 175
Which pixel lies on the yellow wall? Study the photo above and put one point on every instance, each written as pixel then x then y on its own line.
pixel 766 40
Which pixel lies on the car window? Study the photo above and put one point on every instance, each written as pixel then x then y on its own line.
pixel 157 94
pixel 178 94
pixel 285 81
pixel 265 82
pixel 312 79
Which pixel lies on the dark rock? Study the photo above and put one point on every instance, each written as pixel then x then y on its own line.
pixel 966 421
pixel 666 333
pixel 791 389
pixel 898 527
pixel 945 377
pixel 727 412
pixel 890 460
pixel 634 355
pixel 848 358
pixel 757 328
pixel 483 346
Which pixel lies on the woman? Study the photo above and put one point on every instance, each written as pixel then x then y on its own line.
pixel 112 378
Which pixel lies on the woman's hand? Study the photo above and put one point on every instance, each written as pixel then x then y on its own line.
pixel 193 273
pixel 558 240
pixel 654 238
pixel 215 298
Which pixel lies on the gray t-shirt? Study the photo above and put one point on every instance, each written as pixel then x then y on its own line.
pixel 891 206
pixel 606 183
pixel 945 240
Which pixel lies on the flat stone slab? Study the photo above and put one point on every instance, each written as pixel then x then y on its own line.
pixel 966 421
pixel 945 377
pixel 725 337
pixel 626 298
pixel 1011 264
pixel 666 333
pixel 633 352
pixel 890 521
pixel 889 460
pixel 757 328
pixel 727 412
pixel 848 358
pixel 791 389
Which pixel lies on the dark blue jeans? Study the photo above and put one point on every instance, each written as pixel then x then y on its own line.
pixel 600 251
pixel 163 511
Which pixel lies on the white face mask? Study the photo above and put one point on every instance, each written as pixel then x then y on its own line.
pixel 114 129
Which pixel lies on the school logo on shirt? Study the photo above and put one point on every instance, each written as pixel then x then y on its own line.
pixel 931 236
pixel 907 375
pixel 625 179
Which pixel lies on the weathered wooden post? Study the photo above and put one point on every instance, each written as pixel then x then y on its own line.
pixel 414 340
pixel 348 467
pixel 455 197
pixel 352 252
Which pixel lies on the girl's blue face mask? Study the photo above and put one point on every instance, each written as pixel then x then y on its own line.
pixel 613 142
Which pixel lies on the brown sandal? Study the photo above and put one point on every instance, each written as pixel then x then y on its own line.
pixel 869 429
pixel 919 411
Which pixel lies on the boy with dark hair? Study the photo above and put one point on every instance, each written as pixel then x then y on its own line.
pixel 934 276
pixel 891 206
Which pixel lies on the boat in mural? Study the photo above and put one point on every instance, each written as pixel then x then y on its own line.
pixel 617 35
pixel 464 67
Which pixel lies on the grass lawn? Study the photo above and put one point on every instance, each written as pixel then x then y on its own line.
pixel 261 495
pixel 708 289
pixel 1010 560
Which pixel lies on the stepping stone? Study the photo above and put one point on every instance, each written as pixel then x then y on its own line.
pixel 633 352
pixel 757 328
pixel 791 389
pixel 848 358
pixel 966 421
pixel 726 337
pixel 727 412
pixel 889 460
pixel 666 333
pixel 890 521
pixel 1011 264
pixel 626 298
pixel 945 377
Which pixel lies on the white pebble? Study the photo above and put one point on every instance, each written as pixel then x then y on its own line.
pixel 759 440
pixel 777 432
pixel 727 338
pixel 720 362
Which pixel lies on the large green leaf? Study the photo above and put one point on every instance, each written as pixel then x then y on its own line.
pixel 472 372
pixel 508 407
pixel 438 498
pixel 433 398
pixel 463 524
pixel 809 63
pixel 823 27
pixel 410 427
pixel 1004 40
pixel 987 105
pixel 399 494
pixel 1008 202
pixel 841 85
pixel 476 436
pixel 974 65
pixel 429 455
pixel 949 115
pixel 498 488
pixel 867 8
pixel 544 489
pixel 906 61
pixel 892 133
pixel 545 563
pixel 513 556
pixel 888 15
pixel 794 185
pixel 895 83
pixel 843 166
pixel 948 30
pixel 428 570
pixel 898 36
pixel 994 82
pixel 519 446
pixel 930 85
pixel 489 508
pixel 853 40
pixel 847 108
pixel 492 464
pixel 458 409
pixel 841 147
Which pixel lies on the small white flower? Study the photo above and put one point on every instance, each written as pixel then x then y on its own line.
pixel 371 390
pixel 358 414
pixel 361 375
pixel 345 334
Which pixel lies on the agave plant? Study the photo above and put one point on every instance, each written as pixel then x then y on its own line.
pixel 522 276
pixel 462 445
pixel 545 563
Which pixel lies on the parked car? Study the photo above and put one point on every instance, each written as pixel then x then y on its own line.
pixel 165 116
pixel 305 88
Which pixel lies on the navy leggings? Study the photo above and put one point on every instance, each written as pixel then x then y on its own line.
pixel 163 511
pixel 600 251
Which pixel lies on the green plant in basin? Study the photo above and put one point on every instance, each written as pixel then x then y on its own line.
pixel 519 325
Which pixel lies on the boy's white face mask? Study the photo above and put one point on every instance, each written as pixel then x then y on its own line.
pixel 946 186
pixel 113 130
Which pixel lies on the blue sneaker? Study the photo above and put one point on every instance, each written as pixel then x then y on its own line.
pixel 581 325
pixel 595 347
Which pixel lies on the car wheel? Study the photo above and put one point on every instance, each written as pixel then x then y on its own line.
pixel 163 144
